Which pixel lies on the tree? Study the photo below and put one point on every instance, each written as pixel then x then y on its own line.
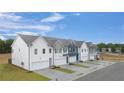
pixel 122 48
pixel 5 46
pixel 101 45
pixel 8 44
pixel 2 46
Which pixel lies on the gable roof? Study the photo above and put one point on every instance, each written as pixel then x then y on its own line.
pixel 91 45
pixel 51 41
pixel 28 38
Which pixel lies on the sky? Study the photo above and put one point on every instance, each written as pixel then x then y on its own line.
pixel 93 27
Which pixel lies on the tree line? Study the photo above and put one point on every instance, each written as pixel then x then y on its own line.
pixel 112 46
pixel 5 46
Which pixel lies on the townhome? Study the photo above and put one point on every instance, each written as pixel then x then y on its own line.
pixel 38 52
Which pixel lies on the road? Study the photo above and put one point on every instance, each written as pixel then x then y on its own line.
pixel 114 72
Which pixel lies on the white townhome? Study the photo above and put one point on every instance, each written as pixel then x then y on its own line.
pixel 38 52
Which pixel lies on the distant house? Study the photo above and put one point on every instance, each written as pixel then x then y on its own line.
pixel 118 50
pixel 38 52
pixel 103 49
pixel 109 49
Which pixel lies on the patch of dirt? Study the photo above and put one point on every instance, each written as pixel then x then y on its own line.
pixel 4 58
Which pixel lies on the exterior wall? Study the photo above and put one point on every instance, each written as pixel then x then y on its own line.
pixel 20 53
pixel 40 60
pixel 84 54
pixel 92 53
pixel 59 59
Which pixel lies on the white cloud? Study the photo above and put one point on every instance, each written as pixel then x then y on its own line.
pixel 18 27
pixel 9 34
pixel 27 33
pixel 53 18
pixel 11 21
pixel 20 32
pixel 4 30
pixel 2 37
pixel 11 24
pixel 76 14
pixel 10 16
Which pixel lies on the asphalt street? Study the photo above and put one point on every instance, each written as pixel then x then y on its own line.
pixel 114 72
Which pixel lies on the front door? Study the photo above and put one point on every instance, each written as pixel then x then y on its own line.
pixel 67 59
pixel 50 62
pixel 77 57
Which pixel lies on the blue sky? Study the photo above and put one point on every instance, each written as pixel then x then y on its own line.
pixel 94 27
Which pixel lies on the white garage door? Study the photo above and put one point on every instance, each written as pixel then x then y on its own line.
pixel 92 57
pixel 60 61
pixel 72 59
pixel 39 65
pixel 84 58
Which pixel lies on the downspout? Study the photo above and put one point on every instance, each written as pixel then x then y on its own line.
pixel 53 55
pixel 29 57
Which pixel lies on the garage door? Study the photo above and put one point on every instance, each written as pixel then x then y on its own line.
pixel 60 61
pixel 72 59
pixel 92 57
pixel 84 58
pixel 39 65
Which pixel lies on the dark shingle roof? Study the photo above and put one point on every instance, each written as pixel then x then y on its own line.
pixel 91 45
pixel 51 40
pixel 28 38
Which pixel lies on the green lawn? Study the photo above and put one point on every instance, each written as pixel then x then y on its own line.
pixel 10 72
pixel 64 70
pixel 80 65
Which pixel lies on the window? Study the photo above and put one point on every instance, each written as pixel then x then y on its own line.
pixel 82 50
pixel 70 49
pixel 43 51
pixel 50 50
pixel 60 50
pixel 65 50
pixel 19 49
pixel 35 51
pixel 73 49
pixel 56 51
pixel 85 50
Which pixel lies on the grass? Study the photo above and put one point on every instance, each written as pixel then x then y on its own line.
pixel 4 58
pixel 10 72
pixel 111 57
pixel 80 65
pixel 64 70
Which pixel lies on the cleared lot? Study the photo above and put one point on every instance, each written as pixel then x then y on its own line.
pixel 4 58
pixel 112 57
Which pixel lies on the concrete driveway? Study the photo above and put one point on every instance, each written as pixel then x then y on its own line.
pixel 78 71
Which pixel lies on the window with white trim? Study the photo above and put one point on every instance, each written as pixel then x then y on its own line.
pixel 35 51
pixel 44 51
pixel 50 50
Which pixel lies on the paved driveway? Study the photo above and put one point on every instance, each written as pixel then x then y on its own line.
pixel 78 71
pixel 114 72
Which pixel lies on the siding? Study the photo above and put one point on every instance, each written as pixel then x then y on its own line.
pixel 20 53
pixel 40 60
